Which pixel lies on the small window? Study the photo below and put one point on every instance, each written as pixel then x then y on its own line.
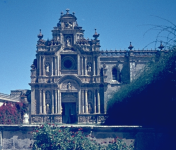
pixel 114 74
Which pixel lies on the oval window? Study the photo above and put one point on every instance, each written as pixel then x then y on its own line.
pixel 67 63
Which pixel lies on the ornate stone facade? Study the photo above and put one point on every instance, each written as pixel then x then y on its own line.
pixel 71 79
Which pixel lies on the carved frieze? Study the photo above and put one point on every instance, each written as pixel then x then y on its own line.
pixel 47 119
pixel 37 119
pixel 58 119
pixel 101 119
pixel 84 119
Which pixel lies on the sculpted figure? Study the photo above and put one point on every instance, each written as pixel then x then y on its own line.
pixel 69 86
pixel 68 42
pixel 89 108
pixel 89 68
pixel 47 68
pixel 104 65
pixel 68 25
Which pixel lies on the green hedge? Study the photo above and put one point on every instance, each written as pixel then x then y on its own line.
pixel 150 100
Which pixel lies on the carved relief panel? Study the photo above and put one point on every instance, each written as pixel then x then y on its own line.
pixel 69 85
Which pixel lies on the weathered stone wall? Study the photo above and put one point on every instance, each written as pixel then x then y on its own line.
pixel 17 138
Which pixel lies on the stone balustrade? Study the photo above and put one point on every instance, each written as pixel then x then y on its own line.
pixel 122 53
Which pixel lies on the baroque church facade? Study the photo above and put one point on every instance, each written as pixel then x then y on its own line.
pixel 72 80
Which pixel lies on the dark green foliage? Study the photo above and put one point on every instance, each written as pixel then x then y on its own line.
pixel 150 100
pixel 51 137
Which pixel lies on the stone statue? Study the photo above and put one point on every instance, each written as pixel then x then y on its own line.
pixel 89 108
pixel 47 68
pixel 47 108
pixel 89 67
pixel 68 42
pixel 104 65
pixel 69 86
pixel 68 25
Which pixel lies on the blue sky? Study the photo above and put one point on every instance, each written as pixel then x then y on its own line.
pixel 117 21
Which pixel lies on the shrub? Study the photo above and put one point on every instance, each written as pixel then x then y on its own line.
pixel 150 100
pixel 51 137
pixel 12 113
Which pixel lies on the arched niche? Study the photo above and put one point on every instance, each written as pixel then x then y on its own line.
pixel 48 101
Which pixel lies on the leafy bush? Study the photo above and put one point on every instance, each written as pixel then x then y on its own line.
pixel 51 137
pixel 12 113
pixel 150 100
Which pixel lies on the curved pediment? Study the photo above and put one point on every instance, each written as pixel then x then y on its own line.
pixel 69 82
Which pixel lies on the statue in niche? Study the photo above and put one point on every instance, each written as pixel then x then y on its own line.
pixel 68 24
pixel 90 108
pixel 47 67
pixel 68 42
pixel 47 108
pixel 104 65
pixel 69 86
pixel 89 67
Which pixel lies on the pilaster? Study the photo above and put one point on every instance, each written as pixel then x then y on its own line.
pixel 95 102
pixel 44 104
pixel 52 102
pixel 82 94
pixel 86 102
pixel 98 96
pixel 40 101
pixel 56 102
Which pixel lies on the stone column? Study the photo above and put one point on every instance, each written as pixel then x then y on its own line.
pixel 82 95
pixel 79 101
pixel 86 102
pixel 59 67
pixel 56 66
pixel 44 73
pixel 33 101
pixel 82 66
pixel 94 66
pixel 61 38
pixel 56 102
pixel 52 102
pixel 60 103
pixel 95 102
pixel 40 101
pixel 44 105
pixel 52 67
pixel 85 66
pixel 98 71
pixel 40 67
pixel 78 58
pixel 98 96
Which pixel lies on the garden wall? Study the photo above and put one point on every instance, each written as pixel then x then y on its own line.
pixel 16 137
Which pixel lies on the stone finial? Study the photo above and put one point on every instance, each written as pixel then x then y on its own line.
pixel 96 35
pixel 161 46
pixel 130 47
pixel 73 13
pixel 95 31
pixel 61 13
pixel 40 35
pixel 67 10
